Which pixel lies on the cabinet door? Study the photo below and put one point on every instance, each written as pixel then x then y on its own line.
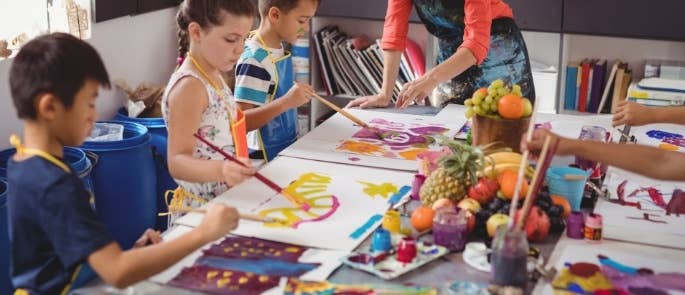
pixel 109 9
pixel 661 19
pixel 152 5
pixel 537 15
pixel 367 9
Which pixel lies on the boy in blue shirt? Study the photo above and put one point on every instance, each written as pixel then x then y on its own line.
pixel 265 87
pixel 54 81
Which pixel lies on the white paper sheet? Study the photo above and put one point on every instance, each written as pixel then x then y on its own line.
pixel 329 260
pixel 568 250
pixel 627 223
pixel 355 209
pixel 322 142
pixel 642 137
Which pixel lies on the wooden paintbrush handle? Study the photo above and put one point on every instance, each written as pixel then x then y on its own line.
pixel 341 111
pixel 246 216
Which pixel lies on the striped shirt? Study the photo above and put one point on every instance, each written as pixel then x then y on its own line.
pixel 255 74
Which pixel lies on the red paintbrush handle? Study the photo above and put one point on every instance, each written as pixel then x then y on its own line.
pixel 226 155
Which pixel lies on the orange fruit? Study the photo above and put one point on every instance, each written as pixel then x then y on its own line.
pixel 482 91
pixel 507 184
pixel 563 202
pixel 510 106
pixel 422 218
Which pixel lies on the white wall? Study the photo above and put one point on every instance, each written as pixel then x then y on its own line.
pixel 137 49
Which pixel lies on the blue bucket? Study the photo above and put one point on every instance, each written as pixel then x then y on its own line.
pixel 5 282
pixel 79 161
pixel 124 182
pixel 572 190
pixel 165 182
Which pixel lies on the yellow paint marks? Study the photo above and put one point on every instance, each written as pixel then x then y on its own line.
pixel 362 148
pixel 668 146
pixel 227 274
pixel 212 274
pixel 292 249
pixel 263 279
pixel 220 283
pixel 384 190
pixel 243 280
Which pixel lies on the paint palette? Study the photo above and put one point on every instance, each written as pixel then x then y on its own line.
pixel 387 266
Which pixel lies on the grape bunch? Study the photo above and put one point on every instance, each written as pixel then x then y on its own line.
pixel 486 101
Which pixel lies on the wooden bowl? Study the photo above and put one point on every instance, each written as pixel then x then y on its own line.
pixel 508 133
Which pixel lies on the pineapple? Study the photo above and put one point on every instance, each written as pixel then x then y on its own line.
pixel 455 174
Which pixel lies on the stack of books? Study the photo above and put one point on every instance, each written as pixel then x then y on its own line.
pixel 353 66
pixel 588 89
pixel 658 92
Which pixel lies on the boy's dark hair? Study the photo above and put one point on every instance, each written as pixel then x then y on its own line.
pixel 55 63
pixel 283 5
pixel 207 13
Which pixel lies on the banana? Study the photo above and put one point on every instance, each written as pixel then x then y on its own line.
pixel 504 157
pixel 491 171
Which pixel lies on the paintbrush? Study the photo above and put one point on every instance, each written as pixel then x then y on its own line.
pixel 545 161
pixel 246 216
pixel 378 132
pixel 522 168
pixel 624 134
pixel 295 200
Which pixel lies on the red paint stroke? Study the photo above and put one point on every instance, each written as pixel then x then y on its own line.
pixel 654 194
pixel 334 207
pixel 620 191
pixel 223 282
pixel 254 248
pixel 647 217
pixel 675 141
pixel 677 203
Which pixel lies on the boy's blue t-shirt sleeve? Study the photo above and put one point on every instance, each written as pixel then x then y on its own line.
pixel 252 82
pixel 70 224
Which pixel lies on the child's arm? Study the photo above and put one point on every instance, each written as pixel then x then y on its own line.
pixel 187 101
pixel 635 114
pixel 257 116
pixel 123 268
pixel 648 161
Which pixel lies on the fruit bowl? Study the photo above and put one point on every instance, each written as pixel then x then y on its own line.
pixel 508 132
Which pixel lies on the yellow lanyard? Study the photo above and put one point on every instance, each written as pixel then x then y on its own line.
pixel 21 150
pixel 211 82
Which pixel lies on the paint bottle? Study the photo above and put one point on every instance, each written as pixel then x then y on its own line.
pixel 450 229
pixel 509 258
pixel 381 241
pixel 575 225
pixel 392 221
pixel 406 250
pixel 416 185
pixel 593 228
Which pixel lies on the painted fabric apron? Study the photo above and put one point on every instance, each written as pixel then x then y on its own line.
pixel 507 56
pixel 280 132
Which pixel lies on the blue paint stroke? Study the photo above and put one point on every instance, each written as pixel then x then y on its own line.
pixel 658 134
pixel 366 227
pixel 264 266
pixel 398 195
pixel 606 261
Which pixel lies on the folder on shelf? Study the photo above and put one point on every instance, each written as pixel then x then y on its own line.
pixel 599 70
pixel 570 90
pixel 584 85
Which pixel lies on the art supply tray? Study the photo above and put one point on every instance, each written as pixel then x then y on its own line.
pixel 386 265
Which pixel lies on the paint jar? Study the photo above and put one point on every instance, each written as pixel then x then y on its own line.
pixel 406 250
pixel 575 225
pixel 509 258
pixel 416 186
pixel 450 229
pixel 593 228
pixel 392 221
pixel 381 241
pixel 590 133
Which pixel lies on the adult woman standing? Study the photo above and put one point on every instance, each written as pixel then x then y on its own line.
pixel 478 43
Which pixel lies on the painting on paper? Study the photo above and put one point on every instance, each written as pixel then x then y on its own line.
pixel 587 270
pixel 390 139
pixel 664 136
pixel 345 203
pixel 639 204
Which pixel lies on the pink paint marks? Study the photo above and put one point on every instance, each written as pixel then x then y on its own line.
pixel 675 141
pixel 334 207
pixel 677 203
pixel 354 159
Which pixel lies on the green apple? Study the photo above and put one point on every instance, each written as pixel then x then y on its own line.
pixel 495 221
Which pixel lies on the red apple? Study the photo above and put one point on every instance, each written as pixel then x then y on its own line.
pixel 537 224
pixel 470 222
pixel 484 191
